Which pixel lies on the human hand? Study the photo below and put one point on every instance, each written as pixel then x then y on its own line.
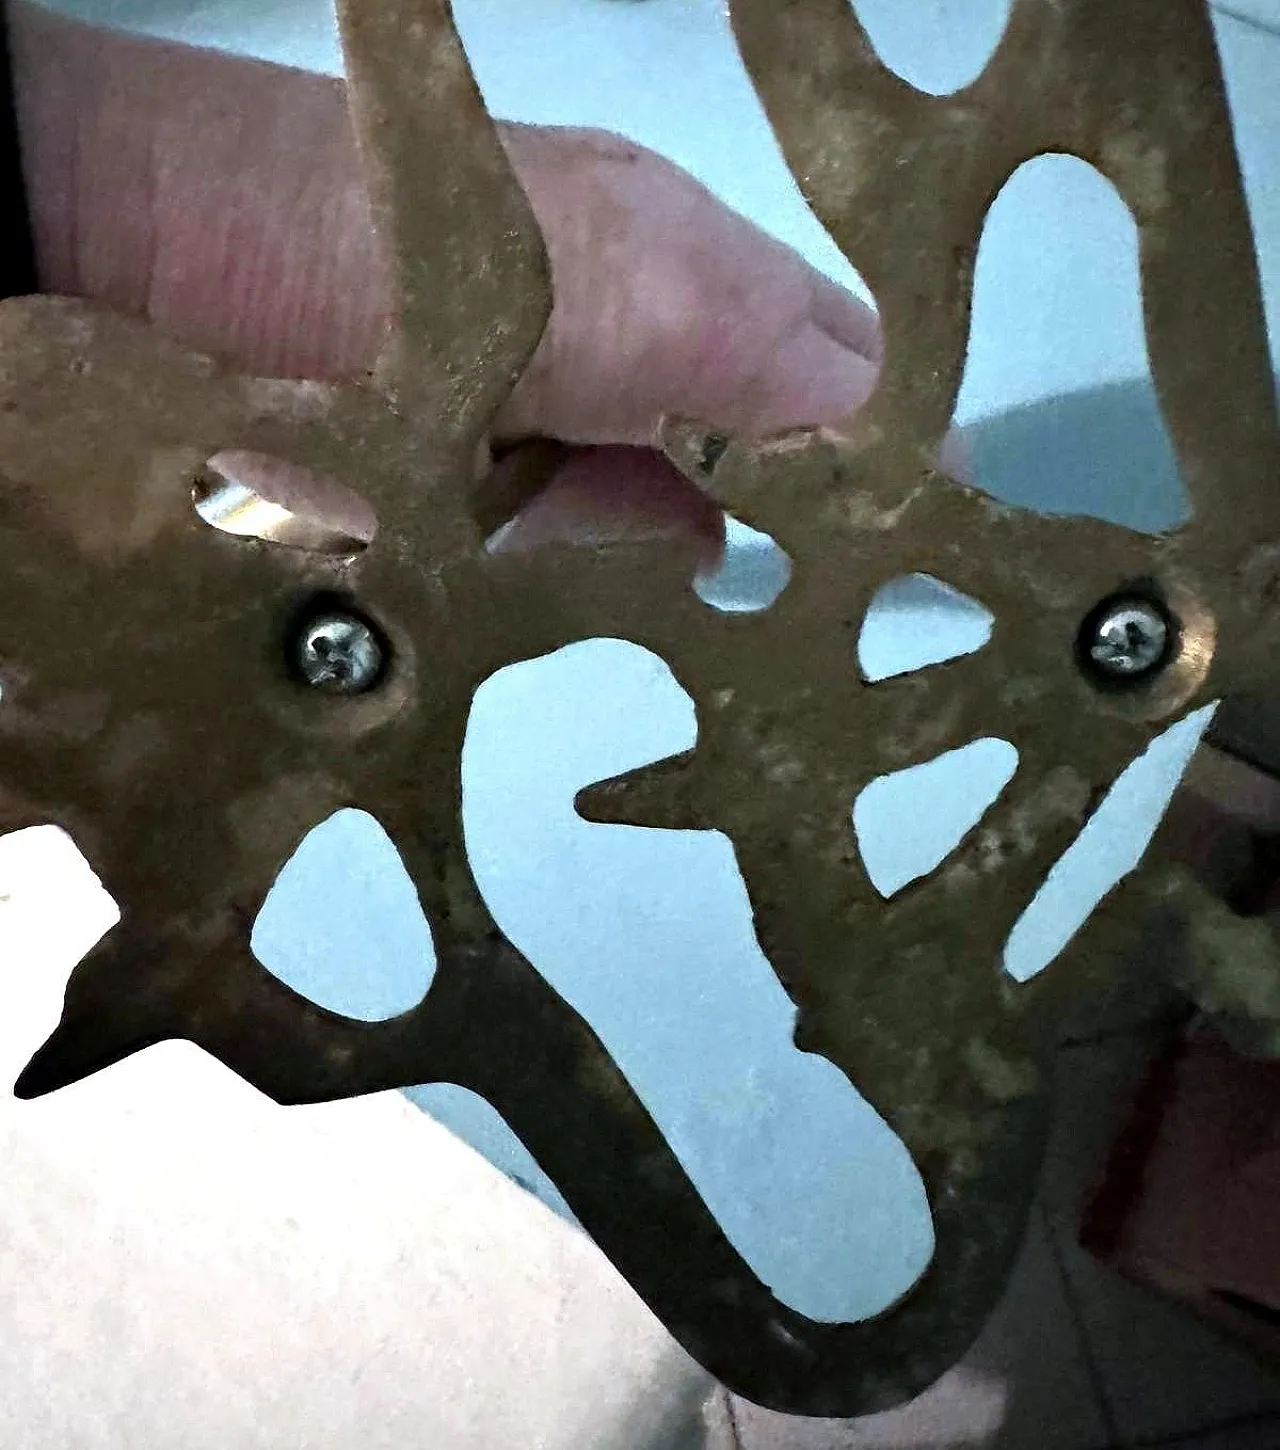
pixel 222 198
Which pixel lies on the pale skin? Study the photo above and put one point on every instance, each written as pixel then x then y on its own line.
pixel 221 198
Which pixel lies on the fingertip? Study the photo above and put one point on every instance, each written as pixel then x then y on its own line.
pixel 846 319
pixel 611 494
pixel 812 380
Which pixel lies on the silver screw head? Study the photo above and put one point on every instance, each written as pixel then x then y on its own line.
pixel 1128 638
pixel 339 653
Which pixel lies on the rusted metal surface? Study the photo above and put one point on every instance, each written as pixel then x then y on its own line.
pixel 149 706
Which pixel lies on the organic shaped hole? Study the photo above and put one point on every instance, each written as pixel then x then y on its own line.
pixel 751 574
pixel 1058 408
pixel 806 1180
pixel 1111 845
pixel 938 47
pixel 916 621
pixel 479 1124
pixel 342 925
pixel 1248 68
pixel 909 822
pixel 254 496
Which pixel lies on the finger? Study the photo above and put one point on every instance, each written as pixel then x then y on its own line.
pixel 668 302
pixel 847 319
pixel 225 200
pixel 810 378
pixel 608 494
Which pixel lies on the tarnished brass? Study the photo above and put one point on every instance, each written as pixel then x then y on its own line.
pixel 150 708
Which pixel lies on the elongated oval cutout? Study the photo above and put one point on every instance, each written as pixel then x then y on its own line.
pixel 916 621
pixel 1058 407
pixel 1110 846
pixel 342 924
pixel 751 575
pixel 908 823
pixel 649 935
pixel 254 496
pixel 937 46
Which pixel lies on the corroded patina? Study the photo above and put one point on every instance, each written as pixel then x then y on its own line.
pixel 151 708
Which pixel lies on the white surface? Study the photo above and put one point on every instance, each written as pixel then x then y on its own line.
pixel 607 914
pixel 186 1266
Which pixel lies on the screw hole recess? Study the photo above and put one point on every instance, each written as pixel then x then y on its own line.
pixel 333 647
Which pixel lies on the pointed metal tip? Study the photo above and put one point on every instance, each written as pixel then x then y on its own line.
pixel 33 1082
pixel 77 1048
pixel 604 803
pixel 663 796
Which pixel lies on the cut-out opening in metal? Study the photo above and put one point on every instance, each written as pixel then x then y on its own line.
pixel 908 823
pixel 1108 848
pixel 254 496
pixel 342 924
pixel 939 47
pixel 751 574
pixel 1058 407
pixel 806 1179
pixel 916 621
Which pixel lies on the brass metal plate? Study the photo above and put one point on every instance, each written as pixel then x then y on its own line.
pixel 148 706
